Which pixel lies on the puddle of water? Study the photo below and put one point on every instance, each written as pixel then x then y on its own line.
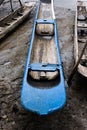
pixel 70 4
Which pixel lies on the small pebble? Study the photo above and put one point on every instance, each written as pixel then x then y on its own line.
pixel 13 123
pixel 4 117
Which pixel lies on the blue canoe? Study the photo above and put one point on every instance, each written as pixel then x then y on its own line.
pixel 45 94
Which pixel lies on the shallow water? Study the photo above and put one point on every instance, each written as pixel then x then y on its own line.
pixel 70 4
pixel 66 3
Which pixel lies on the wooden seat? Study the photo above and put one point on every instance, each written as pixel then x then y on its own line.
pixel 44 29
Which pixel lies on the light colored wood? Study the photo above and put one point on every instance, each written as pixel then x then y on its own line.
pixel 45 12
pixel 44 47
pixel 80 38
pixel 84 25
pixel 44 51
pixel 4 29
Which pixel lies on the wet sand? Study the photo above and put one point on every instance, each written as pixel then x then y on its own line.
pixel 13 53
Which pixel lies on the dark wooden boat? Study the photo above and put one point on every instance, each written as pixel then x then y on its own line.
pixel 1 1
pixel 81 36
pixel 8 23
pixel 43 89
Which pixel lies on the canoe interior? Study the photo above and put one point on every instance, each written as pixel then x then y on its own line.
pixel 82 32
pixel 14 16
pixel 44 47
pixel 45 12
pixel 44 51
pixel 11 17
pixel 43 83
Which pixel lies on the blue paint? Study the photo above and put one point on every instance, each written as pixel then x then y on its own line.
pixel 41 99
pixel 44 67
pixel 44 21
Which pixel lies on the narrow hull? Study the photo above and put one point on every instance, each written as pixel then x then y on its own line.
pixel 43 89
pixel 81 36
pixel 10 22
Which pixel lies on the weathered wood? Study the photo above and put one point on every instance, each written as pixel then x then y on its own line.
pixel 76 65
pixel 80 49
pixel 84 25
pixel 45 12
pixel 44 47
pixel 44 51
pixel 14 19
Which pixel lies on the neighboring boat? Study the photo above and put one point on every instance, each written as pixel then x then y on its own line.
pixel 43 89
pixel 1 1
pixel 8 23
pixel 81 36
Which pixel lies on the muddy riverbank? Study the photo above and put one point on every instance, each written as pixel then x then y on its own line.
pixel 13 53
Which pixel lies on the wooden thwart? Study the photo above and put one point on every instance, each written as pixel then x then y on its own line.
pixel 76 65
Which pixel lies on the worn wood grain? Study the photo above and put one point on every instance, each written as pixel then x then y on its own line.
pixel 45 12
pixel 44 51
pixel 11 21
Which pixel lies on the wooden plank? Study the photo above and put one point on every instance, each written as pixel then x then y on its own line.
pixel 44 47
pixel 44 51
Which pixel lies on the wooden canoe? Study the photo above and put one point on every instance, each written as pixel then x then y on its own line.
pixel 43 89
pixel 81 36
pixel 10 22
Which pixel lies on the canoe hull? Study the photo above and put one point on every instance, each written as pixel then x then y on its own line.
pixel 43 101
pixel 43 96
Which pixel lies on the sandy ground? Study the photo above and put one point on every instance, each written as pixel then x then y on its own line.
pixel 13 52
